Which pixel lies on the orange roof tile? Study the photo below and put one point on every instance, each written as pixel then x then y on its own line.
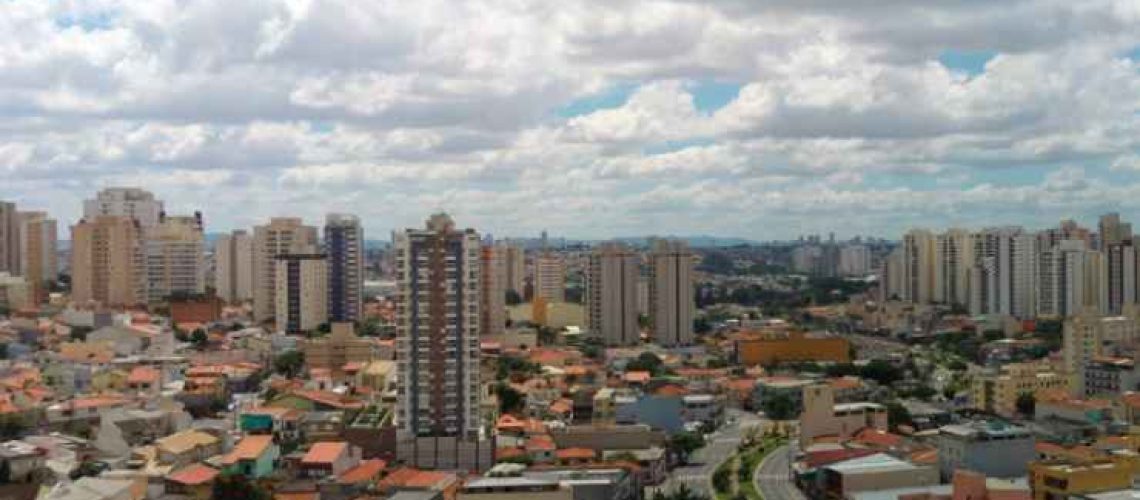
pixel 509 422
pixel 194 474
pixel 509 452
pixel 562 406
pixel 249 448
pixel 325 452
pixel 671 390
pixel 435 480
pixel 366 471
pixel 143 375
pixel 575 454
pixel 878 438
pixel 300 495
pixel 637 376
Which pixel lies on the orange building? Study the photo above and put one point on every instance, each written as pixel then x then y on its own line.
pixel 769 349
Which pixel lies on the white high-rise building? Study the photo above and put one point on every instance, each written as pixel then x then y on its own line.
pixel 174 258
pixel 671 298
pixel 283 235
pixel 1004 275
pixel 892 276
pixel 438 407
pixel 611 294
pixel 344 245
pixel 233 267
pixel 854 260
pixel 955 258
pixel 1069 279
pixel 135 203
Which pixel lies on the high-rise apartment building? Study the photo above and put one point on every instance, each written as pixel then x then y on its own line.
pixel 493 290
pixel 955 254
pixel 302 283
pixel 1087 335
pixel 9 238
pixel 107 261
pixel 135 203
pixel 672 301
pixel 438 419
pixel 344 245
pixel 1003 279
pixel 1069 279
pixel 233 267
pixel 611 294
pixel 516 269
pixel 549 277
pixel 920 251
pixel 854 260
pixel 283 235
pixel 39 264
pixel 892 276
pixel 174 258
pixel 1113 231
pixel 1120 276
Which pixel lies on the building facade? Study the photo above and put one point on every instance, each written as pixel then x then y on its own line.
pixel 39 263
pixel 107 262
pixel 302 292
pixel 9 238
pixel 672 301
pixel 493 290
pixel 135 203
pixel 549 277
pixel 233 267
pixel 283 235
pixel 611 294
pixel 174 258
pixel 439 396
pixel 344 245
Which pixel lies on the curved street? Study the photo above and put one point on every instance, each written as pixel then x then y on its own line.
pixel 697 475
pixel 773 478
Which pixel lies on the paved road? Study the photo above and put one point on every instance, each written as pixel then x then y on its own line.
pixel 773 477
pixel 697 475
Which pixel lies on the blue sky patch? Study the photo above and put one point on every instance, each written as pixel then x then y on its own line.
pixel 320 127
pixel 92 21
pixel 709 96
pixel 612 97
pixel 1134 54
pixel 970 62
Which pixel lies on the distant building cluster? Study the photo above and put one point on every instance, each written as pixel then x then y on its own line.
pixel 1010 271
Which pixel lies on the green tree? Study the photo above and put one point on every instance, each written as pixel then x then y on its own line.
pixel 510 400
pixel 513 298
pixel 647 362
pixel 199 339
pixel 882 372
pixel 289 363
pixel 722 480
pixel 238 487
pixel 779 407
pixel 897 415
pixel 685 443
pixel 4 350
pixel 1026 403
pixel 79 333
pixel 370 327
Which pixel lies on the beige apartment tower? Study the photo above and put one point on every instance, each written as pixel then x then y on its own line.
pixel 283 235
pixel 611 294
pixel 175 258
pixel 9 238
pixel 516 269
pixel 106 262
pixel 671 299
pixel 135 203
pixel 233 257
pixel 493 293
pixel 549 277
pixel 302 292
pixel 39 264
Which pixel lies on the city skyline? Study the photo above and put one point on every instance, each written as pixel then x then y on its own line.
pixel 590 121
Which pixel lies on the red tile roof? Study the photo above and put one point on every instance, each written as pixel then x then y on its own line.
pixel 249 448
pixel 575 454
pixel 325 452
pixel 143 375
pixel 878 437
pixel 821 458
pixel 194 474
pixel 540 442
pixel 637 376
pixel 366 471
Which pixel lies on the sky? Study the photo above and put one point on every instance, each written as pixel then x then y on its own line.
pixel 764 119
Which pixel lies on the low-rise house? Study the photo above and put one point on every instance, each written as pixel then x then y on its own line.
pixel 194 481
pixel 652 463
pixel 991 448
pixel 83 410
pixel 187 447
pixel 329 459
pixel 283 423
pixel 20 459
pixel 875 472
pixel 254 456
pixel 822 417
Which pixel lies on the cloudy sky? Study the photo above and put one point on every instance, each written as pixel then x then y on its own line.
pixel 757 118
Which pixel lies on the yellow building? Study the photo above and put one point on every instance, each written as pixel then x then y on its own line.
pixel 342 346
pixel 792 346
pixel 997 392
pixel 1062 479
